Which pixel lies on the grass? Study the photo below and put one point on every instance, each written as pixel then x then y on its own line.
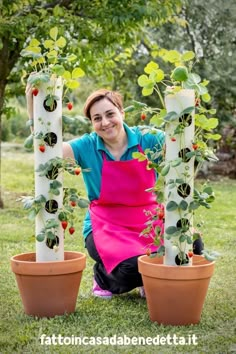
pixel 123 315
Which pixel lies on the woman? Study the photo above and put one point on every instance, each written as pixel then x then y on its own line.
pixel 116 186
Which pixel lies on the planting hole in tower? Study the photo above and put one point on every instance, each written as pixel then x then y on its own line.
pixel 185 120
pixel 50 106
pixel 183 224
pixel 50 243
pixel 183 153
pixel 50 139
pixel 181 260
pixel 51 206
pixel 53 173
pixel 184 190
pixel 182 257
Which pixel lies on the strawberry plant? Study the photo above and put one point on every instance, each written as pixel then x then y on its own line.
pixel 189 124
pixel 49 62
pixel 53 76
pixel 71 198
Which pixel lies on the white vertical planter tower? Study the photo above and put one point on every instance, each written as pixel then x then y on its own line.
pixel 177 103
pixel 48 122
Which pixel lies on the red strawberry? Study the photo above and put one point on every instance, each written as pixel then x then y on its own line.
pixel 64 224
pixel 73 203
pixel 71 230
pixel 42 148
pixel 195 146
pixel 173 138
pixel 77 170
pixel 35 91
pixel 143 116
pixel 70 106
pixel 190 254
pixel 161 214
pixel 148 251
pixel 197 102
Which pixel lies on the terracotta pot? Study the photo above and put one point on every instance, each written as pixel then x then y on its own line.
pixel 175 295
pixel 48 289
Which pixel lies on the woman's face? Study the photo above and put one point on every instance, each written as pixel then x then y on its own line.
pixel 107 120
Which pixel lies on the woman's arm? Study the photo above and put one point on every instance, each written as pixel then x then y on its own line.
pixel 67 151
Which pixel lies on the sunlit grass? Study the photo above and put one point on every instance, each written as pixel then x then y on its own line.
pixel 123 315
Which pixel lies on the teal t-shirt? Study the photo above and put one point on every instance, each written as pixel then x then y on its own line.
pixel 88 154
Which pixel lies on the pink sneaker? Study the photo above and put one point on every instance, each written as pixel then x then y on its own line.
pixel 97 291
pixel 142 292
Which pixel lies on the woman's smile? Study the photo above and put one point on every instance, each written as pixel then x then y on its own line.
pixel 107 120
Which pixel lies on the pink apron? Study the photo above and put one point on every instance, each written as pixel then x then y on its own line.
pixel 118 216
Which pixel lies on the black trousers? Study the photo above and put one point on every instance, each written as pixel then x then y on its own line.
pixel 198 246
pixel 123 278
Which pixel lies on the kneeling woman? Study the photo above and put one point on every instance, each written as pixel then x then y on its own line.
pixel 116 187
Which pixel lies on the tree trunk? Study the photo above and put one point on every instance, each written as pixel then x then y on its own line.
pixel 3 82
pixel 8 58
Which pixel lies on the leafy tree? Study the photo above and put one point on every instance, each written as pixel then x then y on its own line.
pixel 207 28
pixel 97 30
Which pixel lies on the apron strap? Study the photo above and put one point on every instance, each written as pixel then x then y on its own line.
pixel 104 154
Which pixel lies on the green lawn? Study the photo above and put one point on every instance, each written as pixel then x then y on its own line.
pixel 123 315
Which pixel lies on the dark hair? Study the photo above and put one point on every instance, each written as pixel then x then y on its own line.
pixel 113 96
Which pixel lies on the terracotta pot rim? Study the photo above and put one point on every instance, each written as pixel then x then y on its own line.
pixel 20 257
pixel 196 262
pixel 154 267
pixel 25 263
